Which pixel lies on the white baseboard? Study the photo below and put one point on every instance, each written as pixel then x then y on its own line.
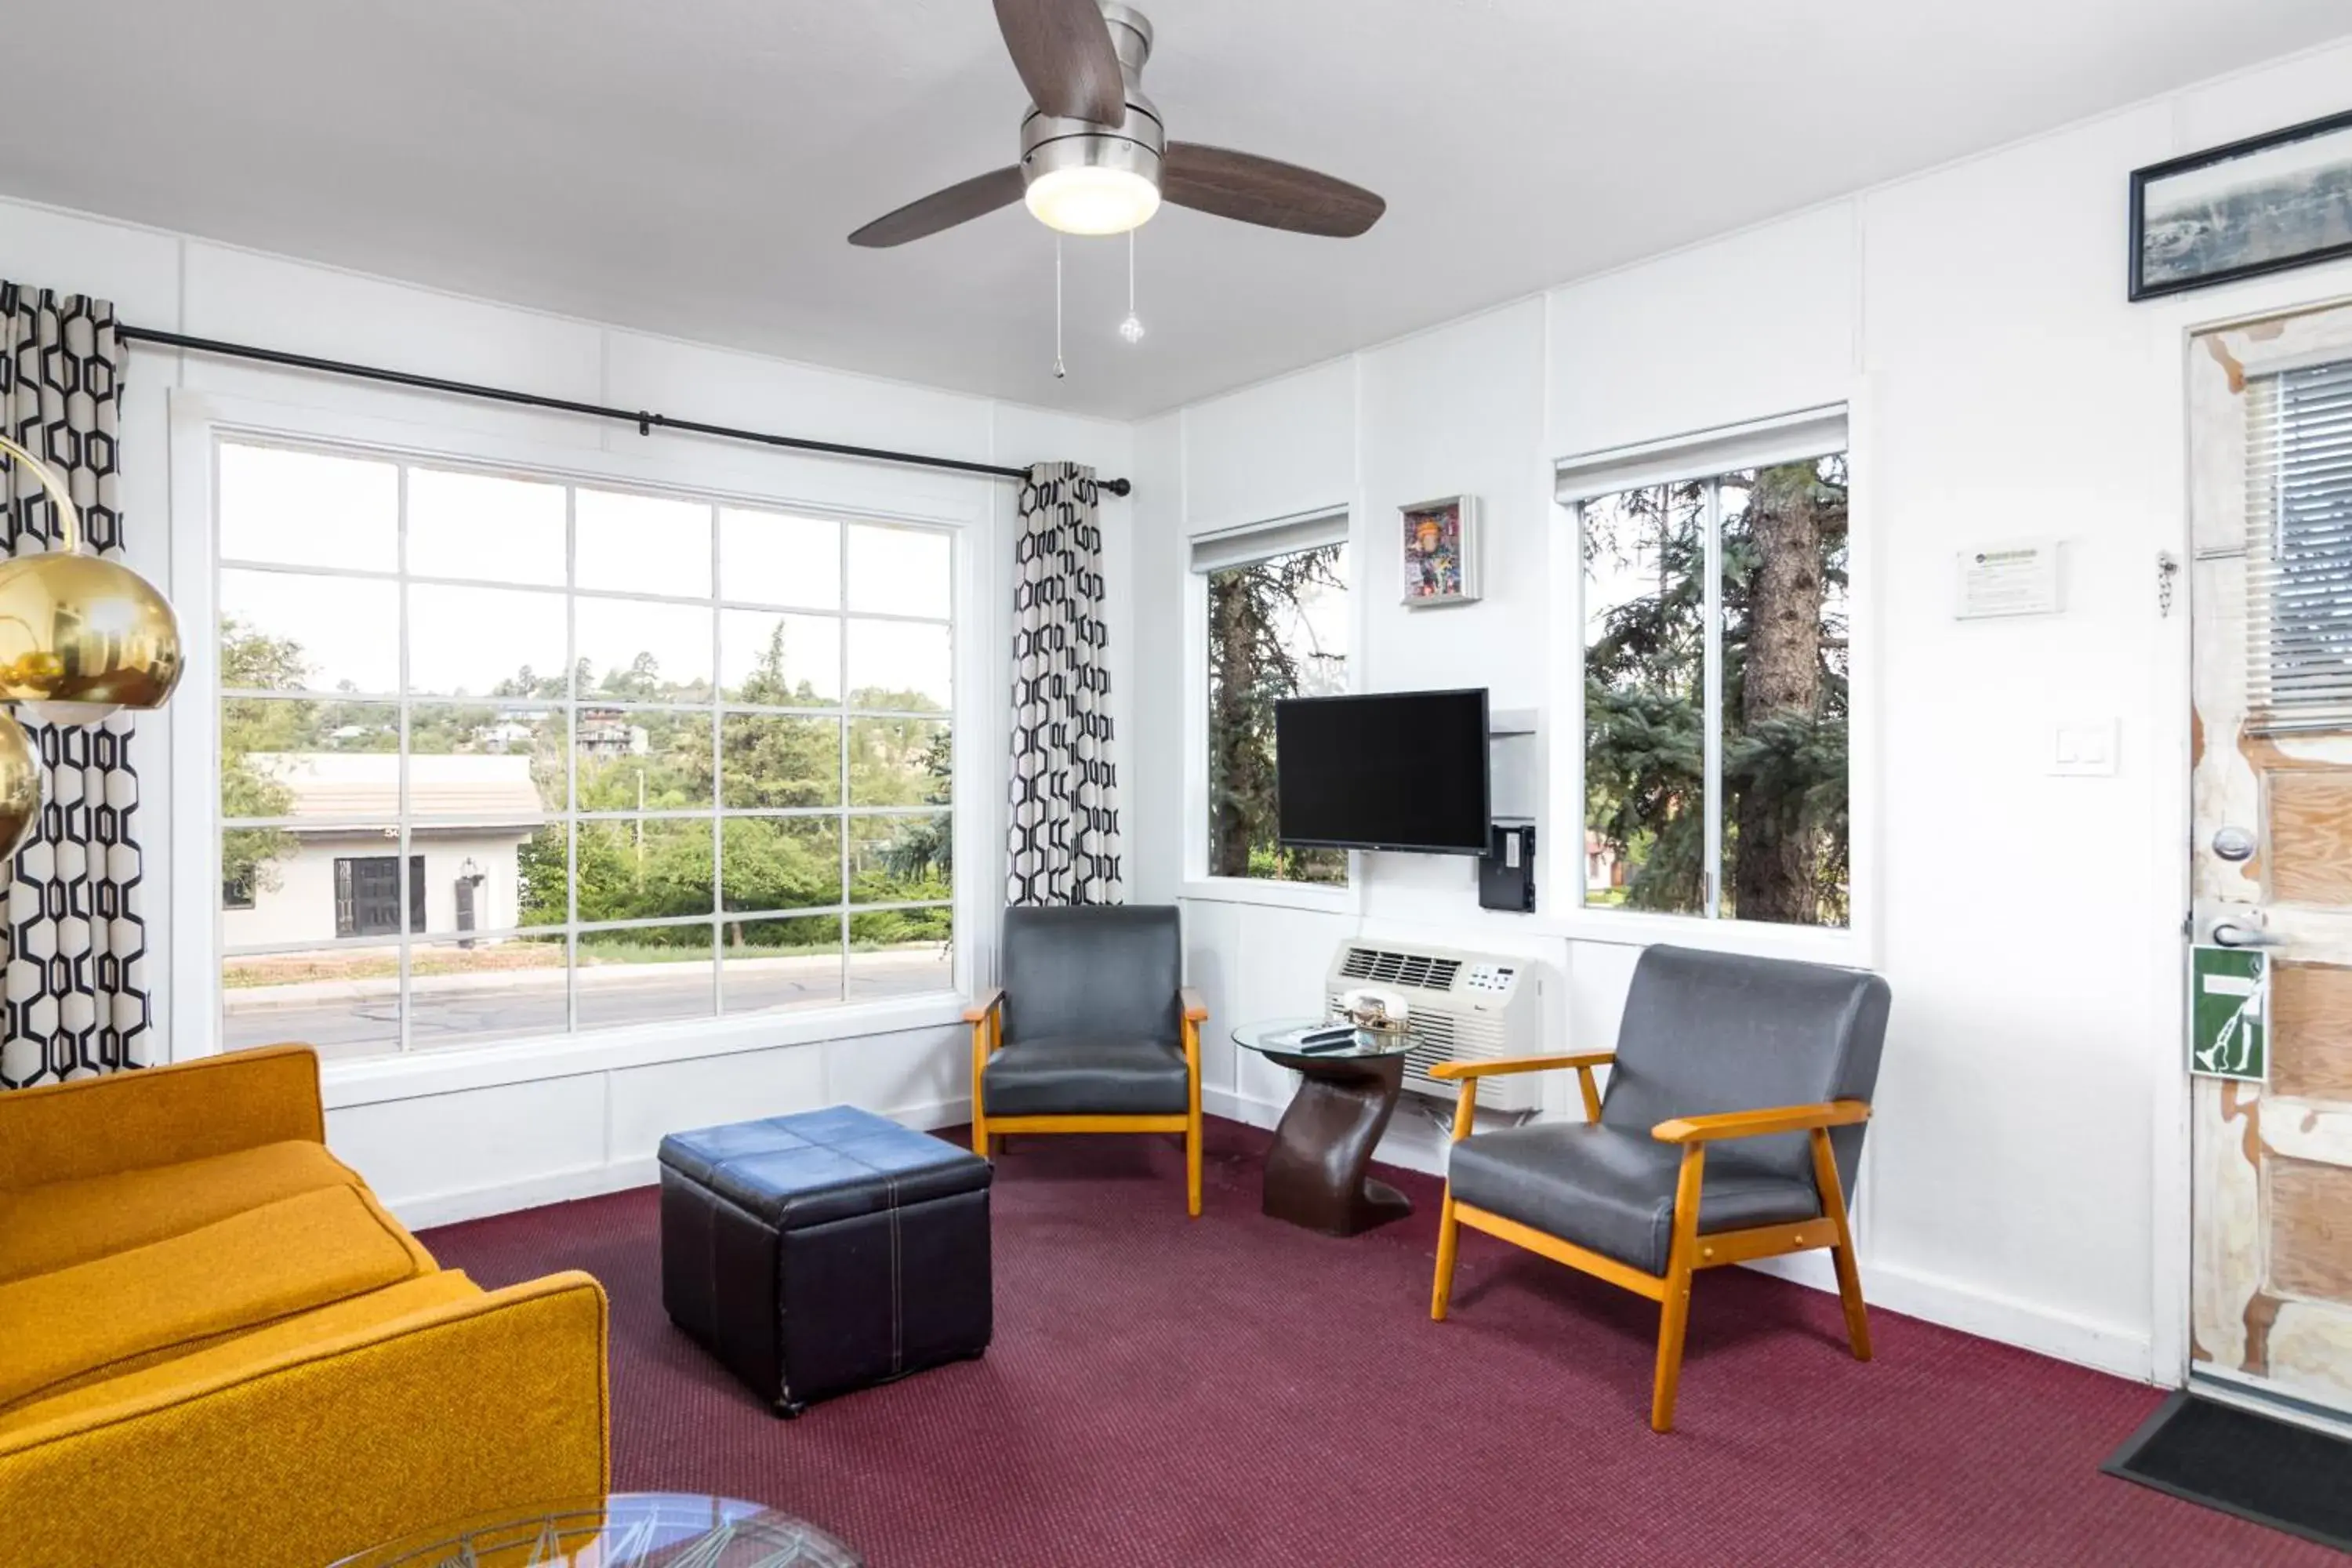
pixel 556 1187
pixel 595 1181
pixel 1971 1309
pixel 1232 1107
pixel 1990 1315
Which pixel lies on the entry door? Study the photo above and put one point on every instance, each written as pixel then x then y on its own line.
pixel 367 895
pixel 2270 434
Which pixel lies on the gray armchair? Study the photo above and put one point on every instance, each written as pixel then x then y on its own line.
pixel 1091 1031
pixel 1769 1064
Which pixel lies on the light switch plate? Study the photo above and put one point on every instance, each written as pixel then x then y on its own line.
pixel 2083 748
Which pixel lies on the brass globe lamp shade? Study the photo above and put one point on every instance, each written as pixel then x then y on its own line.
pixel 20 786
pixel 81 637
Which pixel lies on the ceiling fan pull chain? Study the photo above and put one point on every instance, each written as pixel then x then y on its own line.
pixel 1058 371
pixel 1131 329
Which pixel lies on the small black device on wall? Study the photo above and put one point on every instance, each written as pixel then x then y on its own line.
pixel 1507 872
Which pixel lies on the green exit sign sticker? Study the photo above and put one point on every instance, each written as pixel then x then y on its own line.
pixel 2229 1013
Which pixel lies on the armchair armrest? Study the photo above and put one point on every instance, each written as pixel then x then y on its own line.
pixel 160 1116
pixel 1465 1107
pixel 1584 1062
pixel 1196 1009
pixel 1689 1129
pixel 987 1002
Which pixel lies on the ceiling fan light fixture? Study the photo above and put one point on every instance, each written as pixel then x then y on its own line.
pixel 1089 168
pixel 1092 199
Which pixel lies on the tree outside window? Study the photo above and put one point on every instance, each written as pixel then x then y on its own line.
pixel 1715 696
pixel 1278 629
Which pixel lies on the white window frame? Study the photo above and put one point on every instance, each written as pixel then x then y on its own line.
pixel 1709 454
pixel 704 470
pixel 1347 898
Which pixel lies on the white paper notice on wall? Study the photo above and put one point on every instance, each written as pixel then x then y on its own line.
pixel 2019 577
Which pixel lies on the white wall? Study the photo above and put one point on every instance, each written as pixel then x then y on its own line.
pixel 474 1130
pixel 2026 1174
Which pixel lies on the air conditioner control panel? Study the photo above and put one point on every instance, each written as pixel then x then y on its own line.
pixel 1493 979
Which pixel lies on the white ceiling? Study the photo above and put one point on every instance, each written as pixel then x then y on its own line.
pixel 692 166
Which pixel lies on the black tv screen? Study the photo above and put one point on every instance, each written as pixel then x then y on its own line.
pixel 1401 769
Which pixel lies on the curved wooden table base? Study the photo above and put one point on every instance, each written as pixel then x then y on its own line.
pixel 1315 1174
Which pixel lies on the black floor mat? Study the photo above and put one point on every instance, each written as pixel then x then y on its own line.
pixel 2273 1472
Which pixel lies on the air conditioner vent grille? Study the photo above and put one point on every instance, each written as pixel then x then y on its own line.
pixel 1444 1037
pixel 1415 971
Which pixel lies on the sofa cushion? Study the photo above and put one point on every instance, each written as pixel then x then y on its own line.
pixel 160 1116
pixel 419 1297
pixel 1612 1191
pixel 115 1313
pixel 1087 1075
pixel 60 1224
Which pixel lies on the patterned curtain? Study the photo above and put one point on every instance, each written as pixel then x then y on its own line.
pixel 1063 837
pixel 73 946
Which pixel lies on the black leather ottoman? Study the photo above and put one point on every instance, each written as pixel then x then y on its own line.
pixel 824 1252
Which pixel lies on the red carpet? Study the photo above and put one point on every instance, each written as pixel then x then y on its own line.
pixel 1231 1391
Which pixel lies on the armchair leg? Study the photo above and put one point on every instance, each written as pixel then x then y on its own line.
pixel 983 1044
pixel 1193 1116
pixel 1857 1318
pixel 1674 1315
pixel 1449 1236
pixel 1673 1319
pixel 1849 1278
pixel 1192 1165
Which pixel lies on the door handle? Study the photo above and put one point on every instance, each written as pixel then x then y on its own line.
pixel 2228 935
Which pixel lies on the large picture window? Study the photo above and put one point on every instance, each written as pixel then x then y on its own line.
pixel 1278 628
pixel 1716 695
pixel 642 756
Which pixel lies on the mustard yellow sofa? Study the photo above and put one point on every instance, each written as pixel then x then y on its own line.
pixel 217 1347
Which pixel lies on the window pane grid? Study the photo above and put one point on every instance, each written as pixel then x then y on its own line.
pixel 656 866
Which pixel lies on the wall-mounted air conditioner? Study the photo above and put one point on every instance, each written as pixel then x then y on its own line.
pixel 1462 1006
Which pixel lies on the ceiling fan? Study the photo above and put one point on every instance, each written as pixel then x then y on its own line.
pixel 1095 157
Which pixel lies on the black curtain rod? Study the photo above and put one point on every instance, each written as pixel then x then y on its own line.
pixel 646 422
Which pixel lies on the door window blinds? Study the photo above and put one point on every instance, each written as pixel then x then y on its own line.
pixel 2299 549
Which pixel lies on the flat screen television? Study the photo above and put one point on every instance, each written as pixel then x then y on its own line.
pixel 1397 770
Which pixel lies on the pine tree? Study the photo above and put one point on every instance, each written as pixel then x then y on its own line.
pixel 1783 554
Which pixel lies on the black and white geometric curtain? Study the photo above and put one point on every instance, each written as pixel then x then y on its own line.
pixel 1063 843
pixel 73 951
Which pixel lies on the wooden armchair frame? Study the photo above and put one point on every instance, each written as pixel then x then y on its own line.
pixel 986 1016
pixel 1690 1250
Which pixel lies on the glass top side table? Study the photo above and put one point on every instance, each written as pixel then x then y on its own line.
pixel 1317 1171
pixel 626 1530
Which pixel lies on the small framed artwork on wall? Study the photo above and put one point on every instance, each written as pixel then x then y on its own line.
pixel 2270 202
pixel 1440 552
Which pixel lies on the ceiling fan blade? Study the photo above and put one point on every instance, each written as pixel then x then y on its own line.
pixel 1062 51
pixel 943 209
pixel 1266 191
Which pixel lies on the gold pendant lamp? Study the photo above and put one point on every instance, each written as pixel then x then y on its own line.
pixel 81 637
